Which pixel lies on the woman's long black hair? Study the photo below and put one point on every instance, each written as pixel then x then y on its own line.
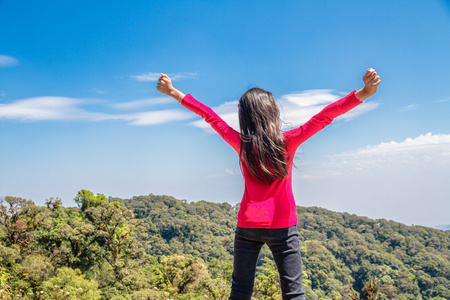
pixel 262 145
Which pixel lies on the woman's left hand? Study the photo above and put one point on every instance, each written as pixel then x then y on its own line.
pixel 371 82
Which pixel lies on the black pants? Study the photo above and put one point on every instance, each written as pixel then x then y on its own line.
pixel 284 244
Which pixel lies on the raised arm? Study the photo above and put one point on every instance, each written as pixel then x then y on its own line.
pixel 231 136
pixel 297 136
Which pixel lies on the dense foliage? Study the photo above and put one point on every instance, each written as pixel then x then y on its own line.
pixel 158 247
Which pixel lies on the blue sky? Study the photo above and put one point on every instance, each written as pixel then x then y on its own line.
pixel 79 108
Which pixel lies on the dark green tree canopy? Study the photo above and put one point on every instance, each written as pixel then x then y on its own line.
pixel 86 199
pixel 158 247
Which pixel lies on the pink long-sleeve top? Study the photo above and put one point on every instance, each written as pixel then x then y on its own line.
pixel 271 205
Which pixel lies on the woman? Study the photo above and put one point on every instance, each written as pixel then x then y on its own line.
pixel 267 213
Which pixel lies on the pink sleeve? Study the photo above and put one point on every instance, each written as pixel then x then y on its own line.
pixel 230 135
pixel 297 136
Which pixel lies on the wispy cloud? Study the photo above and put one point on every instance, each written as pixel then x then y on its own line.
pixel 142 103
pixel 63 108
pixel 441 100
pixel 42 108
pixel 296 112
pixel 157 117
pixel 97 91
pixel 413 106
pixel 7 61
pixel 146 77
pixel 359 110
pixel 296 109
pixel 409 107
pixel 174 76
pixel 310 98
pixel 229 171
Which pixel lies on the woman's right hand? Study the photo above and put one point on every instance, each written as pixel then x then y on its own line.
pixel 165 86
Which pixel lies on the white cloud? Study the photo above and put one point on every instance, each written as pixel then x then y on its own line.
pixel 146 77
pixel 229 171
pixel 295 109
pixel 425 150
pixel 295 113
pixel 42 108
pixel 409 107
pixel 174 77
pixel 157 117
pixel 426 141
pixel 142 103
pixel 97 91
pixel 441 100
pixel 6 61
pixel 359 110
pixel 310 98
pixel 184 75
pixel 63 108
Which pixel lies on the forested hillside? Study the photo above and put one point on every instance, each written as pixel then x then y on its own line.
pixel 158 247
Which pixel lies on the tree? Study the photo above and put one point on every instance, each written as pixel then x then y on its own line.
pixel 86 199
pixel 267 281
pixel 18 218
pixel 53 203
pixel 70 284
pixel 219 285
pixel 112 232
pixel 183 273
pixel 370 290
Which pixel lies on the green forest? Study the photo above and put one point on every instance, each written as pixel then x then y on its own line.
pixel 159 247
